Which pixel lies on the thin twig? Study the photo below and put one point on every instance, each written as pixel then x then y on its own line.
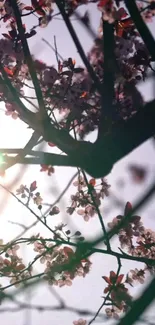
pixel 105 299
pixel 21 202
pixel 98 212
pixel 48 210
pixel 56 50
pixel 59 55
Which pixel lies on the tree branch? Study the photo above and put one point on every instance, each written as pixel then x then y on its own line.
pixel 21 153
pixel 60 137
pixel 141 27
pixel 140 305
pixel 125 220
pixel 26 116
pixel 108 81
pixel 28 59
pixel 123 137
pixel 77 43
pixel 98 159
pixel 42 158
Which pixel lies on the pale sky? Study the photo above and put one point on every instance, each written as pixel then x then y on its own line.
pixel 84 293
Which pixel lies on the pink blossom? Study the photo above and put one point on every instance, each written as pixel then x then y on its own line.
pixel 13 250
pixel 138 275
pixel 80 322
pixel 64 280
pixel 112 312
pixel 87 213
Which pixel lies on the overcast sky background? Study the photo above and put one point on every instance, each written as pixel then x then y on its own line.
pixel 84 293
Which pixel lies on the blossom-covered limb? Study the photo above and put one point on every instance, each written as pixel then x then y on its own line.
pixel 116 229
pixel 29 61
pixel 108 295
pixel 27 116
pixel 141 27
pixel 77 43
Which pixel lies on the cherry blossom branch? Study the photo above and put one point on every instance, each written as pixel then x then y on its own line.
pixel 60 137
pixel 140 305
pixel 44 118
pixel 125 220
pixel 28 59
pixel 77 43
pixel 114 146
pixel 48 250
pixel 98 211
pixel 56 269
pixel 100 308
pixel 48 210
pixel 105 299
pixel 98 159
pixel 26 206
pixel 92 249
pixel 141 26
pixel 38 276
pixel 27 116
pixel 139 205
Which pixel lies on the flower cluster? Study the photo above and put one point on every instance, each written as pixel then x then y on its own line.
pixel 29 193
pixel 88 197
pixel 133 236
pixel 43 9
pixel 133 227
pixel 68 89
pixel 61 266
pixel 50 169
pixel 119 294
pixel 12 266
pixel 80 322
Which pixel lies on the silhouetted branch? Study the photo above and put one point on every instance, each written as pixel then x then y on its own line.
pixel 107 296
pixel 108 93
pixel 140 305
pixel 141 26
pixel 43 113
pixel 77 43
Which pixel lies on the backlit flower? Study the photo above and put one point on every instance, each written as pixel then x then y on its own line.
pixel 80 322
